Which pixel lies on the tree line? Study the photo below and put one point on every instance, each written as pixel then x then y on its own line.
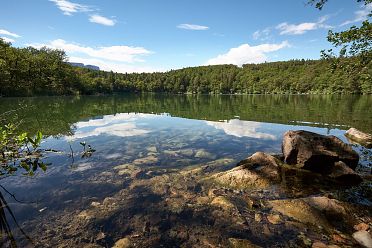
pixel 30 71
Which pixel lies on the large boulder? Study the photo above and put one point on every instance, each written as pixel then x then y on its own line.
pixel 315 152
pixel 359 137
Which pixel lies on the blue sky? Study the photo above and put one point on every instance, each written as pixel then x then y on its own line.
pixel 159 35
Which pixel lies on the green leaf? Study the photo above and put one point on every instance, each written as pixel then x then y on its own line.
pixel 31 141
pixel 25 166
pixel 39 137
pixel 43 166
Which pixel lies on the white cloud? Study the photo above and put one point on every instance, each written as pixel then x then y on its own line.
pixel 262 34
pixel 245 54
pixel 102 20
pixel 126 54
pixel 360 15
pixel 296 29
pixel 69 8
pixel 192 27
pixel 6 39
pixel 5 32
pixel 240 129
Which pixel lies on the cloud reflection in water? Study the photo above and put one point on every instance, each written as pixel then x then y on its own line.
pixel 240 129
pixel 121 125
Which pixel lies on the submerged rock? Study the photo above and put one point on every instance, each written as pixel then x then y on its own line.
pixel 125 169
pixel 222 202
pixel 299 210
pixel 152 149
pixel 241 243
pixel 274 219
pixel 257 217
pixel 316 152
pixel 187 152
pixel 359 137
pixel 259 171
pixel 319 244
pixel 122 243
pixel 204 154
pixel 318 211
pixel 151 159
pixel 361 227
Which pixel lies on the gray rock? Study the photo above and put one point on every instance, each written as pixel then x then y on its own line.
pixel 363 238
pixel 122 243
pixel 344 174
pixel 359 137
pixel 258 171
pixel 315 152
pixel 316 211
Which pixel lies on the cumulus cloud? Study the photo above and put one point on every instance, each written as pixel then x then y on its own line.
pixel 360 15
pixel 297 29
pixel 127 54
pixel 192 27
pixel 245 54
pixel 102 20
pixel 240 129
pixel 7 33
pixel 69 8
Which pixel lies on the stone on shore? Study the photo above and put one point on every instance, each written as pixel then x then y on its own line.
pixel 316 152
pixel 317 211
pixel 258 171
pixel 344 174
pixel 363 238
pixel 359 137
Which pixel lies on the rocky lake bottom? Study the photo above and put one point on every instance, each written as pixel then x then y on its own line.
pixel 157 180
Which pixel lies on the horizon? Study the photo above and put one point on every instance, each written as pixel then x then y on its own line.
pixel 149 36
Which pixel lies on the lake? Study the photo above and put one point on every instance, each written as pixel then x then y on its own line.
pixel 145 136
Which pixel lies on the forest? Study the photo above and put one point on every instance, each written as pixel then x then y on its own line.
pixel 32 72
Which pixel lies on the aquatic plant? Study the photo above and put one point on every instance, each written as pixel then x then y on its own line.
pixel 19 151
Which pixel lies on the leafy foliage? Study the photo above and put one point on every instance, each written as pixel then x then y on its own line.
pixel 16 153
pixel 29 71
pixel 319 4
pixel 354 42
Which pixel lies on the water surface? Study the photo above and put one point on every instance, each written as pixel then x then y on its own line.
pixel 159 133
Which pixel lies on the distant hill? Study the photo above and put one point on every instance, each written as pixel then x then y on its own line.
pixel 92 67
